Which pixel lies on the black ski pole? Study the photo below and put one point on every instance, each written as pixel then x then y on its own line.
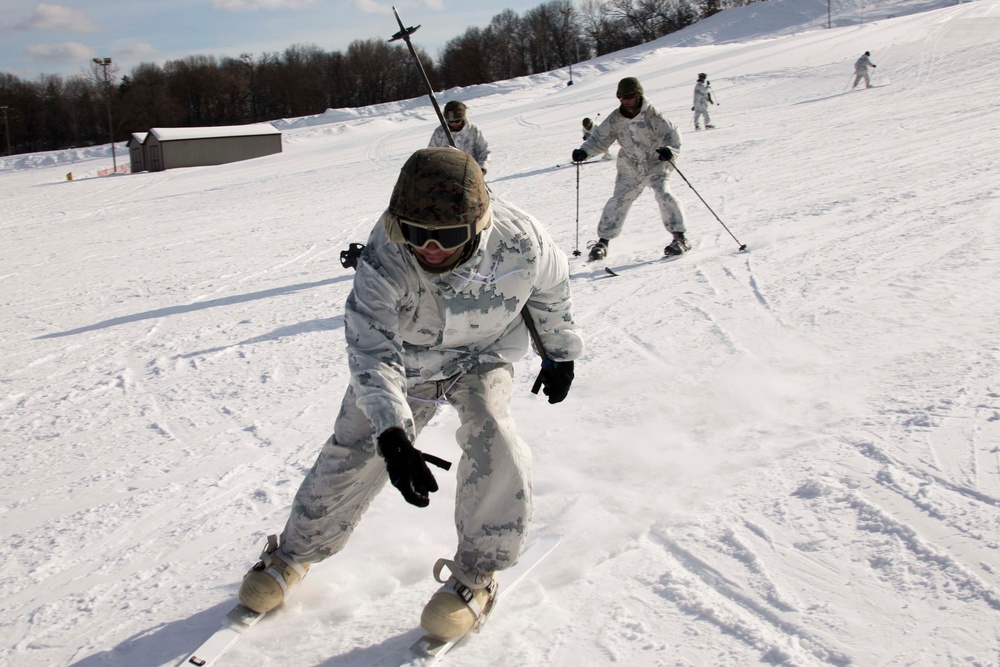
pixel 404 34
pixel 743 246
pixel 576 253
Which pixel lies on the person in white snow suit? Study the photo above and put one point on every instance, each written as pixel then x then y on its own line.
pixel 467 136
pixel 436 317
pixel 861 66
pixel 588 128
pixel 702 98
pixel 649 142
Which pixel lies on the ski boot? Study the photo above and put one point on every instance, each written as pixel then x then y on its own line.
pixel 265 585
pixel 599 250
pixel 678 246
pixel 460 605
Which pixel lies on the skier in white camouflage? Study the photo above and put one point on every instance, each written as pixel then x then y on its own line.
pixel 702 98
pixel 467 136
pixel 649 142
pixel 436 317
pixel 861 66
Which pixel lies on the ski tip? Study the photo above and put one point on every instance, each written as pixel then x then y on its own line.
pixel 610 272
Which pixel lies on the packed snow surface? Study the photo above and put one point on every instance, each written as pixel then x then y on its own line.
pixel 784 456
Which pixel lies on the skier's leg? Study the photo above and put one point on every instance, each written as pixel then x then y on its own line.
pixel 627 188
pixel 671 209
pixel 493 501
pixel 346 477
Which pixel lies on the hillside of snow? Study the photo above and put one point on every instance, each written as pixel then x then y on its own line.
pixel 785 456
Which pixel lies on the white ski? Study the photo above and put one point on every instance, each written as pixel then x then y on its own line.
pixel 429 651
pixel 238 621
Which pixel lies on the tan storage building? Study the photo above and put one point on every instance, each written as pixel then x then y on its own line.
pixel 173 147
pixel 137 151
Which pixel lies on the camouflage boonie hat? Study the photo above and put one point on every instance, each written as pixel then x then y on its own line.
pixel 439 187
pixel 454 111
pixel 628 86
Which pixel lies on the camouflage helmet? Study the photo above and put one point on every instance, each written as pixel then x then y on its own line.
pixel 629 86
pixel 454 111
pixel 439 187
pixel 702 76
pixel 587 123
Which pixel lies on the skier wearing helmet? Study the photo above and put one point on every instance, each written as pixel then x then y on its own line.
pixel 436 316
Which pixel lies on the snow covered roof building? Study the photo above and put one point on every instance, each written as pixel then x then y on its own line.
pixel 173 147
pixel 137 151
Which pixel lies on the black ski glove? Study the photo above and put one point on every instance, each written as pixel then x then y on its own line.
pixel 556 377
pixel 579 155
pixel 665 153
pixel 406 467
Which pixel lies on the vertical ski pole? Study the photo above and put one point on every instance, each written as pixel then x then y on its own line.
pixel 576 253
pixel 404 34
pixel 743 246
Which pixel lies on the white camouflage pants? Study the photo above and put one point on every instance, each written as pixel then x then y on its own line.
pixel 701 111
pixel 862 74
pixel 493 502
pixel 627 188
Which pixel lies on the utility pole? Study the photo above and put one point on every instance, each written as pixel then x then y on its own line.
pixel 566 11
pixel 105 63
pixel 6 129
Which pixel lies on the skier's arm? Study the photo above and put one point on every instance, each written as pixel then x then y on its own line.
pixel 550 305
pixel 438 139
pixel 601 138
pixel 375 349
pixel 481 150
pixel 669 135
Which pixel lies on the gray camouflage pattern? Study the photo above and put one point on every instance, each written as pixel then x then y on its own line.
pixel 418 340
pixel 861 66
pixel 468 140
pixel 701 92
pixel 638 165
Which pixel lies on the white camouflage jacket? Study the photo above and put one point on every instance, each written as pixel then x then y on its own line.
pixel 639 138
pixel 468 140
pixel 406 326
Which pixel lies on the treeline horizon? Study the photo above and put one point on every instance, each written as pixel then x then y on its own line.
pixel 58 112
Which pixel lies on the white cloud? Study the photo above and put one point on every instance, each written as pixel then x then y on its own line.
pixel 254 5
pixel 67 51
pixel 377 7
pixel 136 50
pixel 57 17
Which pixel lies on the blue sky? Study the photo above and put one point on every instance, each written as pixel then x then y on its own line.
pixel 62 36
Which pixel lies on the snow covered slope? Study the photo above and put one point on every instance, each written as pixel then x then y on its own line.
pixel 785 456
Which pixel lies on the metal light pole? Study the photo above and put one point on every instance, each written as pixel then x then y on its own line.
pixel 566 11
pixel 105 63
pixel 6 129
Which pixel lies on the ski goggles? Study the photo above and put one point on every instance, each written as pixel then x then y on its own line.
pixel 419 235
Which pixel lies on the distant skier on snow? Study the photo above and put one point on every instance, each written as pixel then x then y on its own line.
pixel 648 143
pixel 467 136
pixel 588 129
pixel 861 66
pixel 702 98
pixel 436 316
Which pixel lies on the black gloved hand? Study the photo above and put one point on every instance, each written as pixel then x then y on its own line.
pixel 556 377
pixel 665 153
pixel 579 155
pixel 406 467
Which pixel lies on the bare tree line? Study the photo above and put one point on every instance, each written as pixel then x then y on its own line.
pixel 57 112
